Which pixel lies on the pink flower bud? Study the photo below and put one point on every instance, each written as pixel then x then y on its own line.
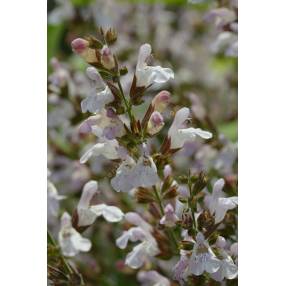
pixel 220 242
pixel 167 171
pixel 107 58
pixel 161 100
pixel 156 122
pixel 79 45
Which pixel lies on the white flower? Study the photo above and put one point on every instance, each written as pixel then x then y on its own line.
pixel 53 200
pixel 131 175
pixel 88 213
pixel 70 241
pixel 142 232
pixel 180 272
pixel 170 218
pixel 203 258
pixel 123 180
pixel 105 124
pixel 227 268
pixel 217 203
pixel 179 134
pixel 146 75
pixel 152 278
pixel 99 95
pixel 107 148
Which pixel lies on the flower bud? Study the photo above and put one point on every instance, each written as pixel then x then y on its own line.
pixel 144 195
pixel 82 48
pixel 155 124
pixel 107 59
pixel 161 101
pixel 79 45
pixel 167 171
pixel 220 242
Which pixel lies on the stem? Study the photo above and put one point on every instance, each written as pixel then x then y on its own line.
pixel 126 103
pixel 169 231
pixel 52 241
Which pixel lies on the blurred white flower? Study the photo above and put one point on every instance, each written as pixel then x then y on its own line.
pixel 88 213
pixel 220 16
pixel 70 241
pixel 99 95
pixel 64 11
pixel 107 148
pixel 131 175
pixel 179 134
pixel 203 258
pixel 170 218
pixel 152 278
pixel 142 232
pixel 146 75
pixel 217 203
pixel 53 200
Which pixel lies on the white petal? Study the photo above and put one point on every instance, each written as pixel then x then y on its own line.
pixel 136 257
pixel 112 214
pixel 212 265
pixel 136 219
pixel 98 209
pixel 180 117
pixel 144 53
pixel 85 217
pixel 230 269
pixel 196 266
pixel 81 243
pixel 161 75
pixel 122 241
pixel 89 189
pixel 218 186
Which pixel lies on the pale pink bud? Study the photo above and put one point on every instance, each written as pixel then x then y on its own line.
pixel 107 58
pixel 167 171
pixel 161 101
pixel 220 242
pixel 79 45
pixel 156 122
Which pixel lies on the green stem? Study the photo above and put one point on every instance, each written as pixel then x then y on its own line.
pixel 126 103
pixel 52 241
pixel 170 231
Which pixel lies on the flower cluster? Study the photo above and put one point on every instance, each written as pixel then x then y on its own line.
pixel 185 214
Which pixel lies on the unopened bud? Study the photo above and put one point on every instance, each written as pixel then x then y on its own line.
pixel 205 220
pixel 107 59
pixel 170 194
pixel 156 123
pixel 200 183
pixel 82 48
pixel 144 195
pixel 220 242
pixel 161 100
pixel 79 45
pixel 111 36
pixel 167 171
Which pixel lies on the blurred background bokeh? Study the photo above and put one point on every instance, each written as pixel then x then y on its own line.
pixel 198 40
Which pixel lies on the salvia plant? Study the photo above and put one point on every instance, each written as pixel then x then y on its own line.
pixel 183 231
